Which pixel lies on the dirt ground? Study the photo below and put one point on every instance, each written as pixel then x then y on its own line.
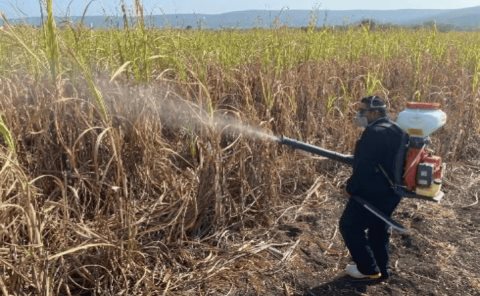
pixel 305 254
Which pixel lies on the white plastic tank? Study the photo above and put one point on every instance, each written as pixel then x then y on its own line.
pixel 421 119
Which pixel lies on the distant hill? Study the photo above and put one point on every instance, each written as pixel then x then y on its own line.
pixel 463 18
pixel 467 18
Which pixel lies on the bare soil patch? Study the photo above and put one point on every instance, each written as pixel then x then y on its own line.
pixel 305 254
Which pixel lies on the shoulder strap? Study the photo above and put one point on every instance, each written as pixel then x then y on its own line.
pixel 399 161
pixel 390 124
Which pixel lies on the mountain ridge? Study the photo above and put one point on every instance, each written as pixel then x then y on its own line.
pixel 464 18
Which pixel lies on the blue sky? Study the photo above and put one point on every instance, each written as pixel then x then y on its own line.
pixel 19 8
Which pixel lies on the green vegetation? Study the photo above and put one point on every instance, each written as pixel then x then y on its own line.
pixel 145 52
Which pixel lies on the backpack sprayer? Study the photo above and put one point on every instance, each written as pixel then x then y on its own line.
pixel 418 173
pixel 422 171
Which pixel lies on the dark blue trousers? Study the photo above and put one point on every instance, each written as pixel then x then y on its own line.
pixel 366 236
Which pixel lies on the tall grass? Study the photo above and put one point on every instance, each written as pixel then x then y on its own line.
pixel 51 42
pixel 107 195
pixel 7 136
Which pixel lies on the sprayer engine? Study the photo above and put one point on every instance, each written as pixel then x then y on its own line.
pixel 423 171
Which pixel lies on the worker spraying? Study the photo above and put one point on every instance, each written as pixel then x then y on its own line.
pixel 366 236
pixel 390 161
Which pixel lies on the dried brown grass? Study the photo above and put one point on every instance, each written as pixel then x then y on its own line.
pixel 141 206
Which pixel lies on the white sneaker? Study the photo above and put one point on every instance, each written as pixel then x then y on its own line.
pixel 353 271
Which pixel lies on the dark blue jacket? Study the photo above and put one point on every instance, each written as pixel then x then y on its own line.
pixel 376 147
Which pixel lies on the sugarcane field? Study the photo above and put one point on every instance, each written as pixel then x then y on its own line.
pixel 144 160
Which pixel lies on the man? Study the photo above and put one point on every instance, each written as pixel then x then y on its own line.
pixel 365 235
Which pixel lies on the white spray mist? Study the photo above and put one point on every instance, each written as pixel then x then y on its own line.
pixel 176 112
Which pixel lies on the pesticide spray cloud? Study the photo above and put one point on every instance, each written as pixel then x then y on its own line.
pixel 175 112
